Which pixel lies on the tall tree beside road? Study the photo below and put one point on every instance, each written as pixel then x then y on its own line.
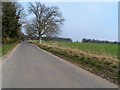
pixel 0 22
pixel 47 19
pixel 12 13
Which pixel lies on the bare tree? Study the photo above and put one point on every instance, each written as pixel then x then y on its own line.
pixel 47 19
pixel 30 29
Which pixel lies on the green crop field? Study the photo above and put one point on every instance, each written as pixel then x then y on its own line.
pixel 102 49
pixel 93 48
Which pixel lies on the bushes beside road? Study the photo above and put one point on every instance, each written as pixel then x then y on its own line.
pixel 8 40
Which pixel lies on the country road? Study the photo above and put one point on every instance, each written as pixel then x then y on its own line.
pixel 31 67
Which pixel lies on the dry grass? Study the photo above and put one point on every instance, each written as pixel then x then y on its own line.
pixel 76 52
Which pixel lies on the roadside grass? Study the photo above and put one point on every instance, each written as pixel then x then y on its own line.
pixel 7 48
pixel 102 65
pixel 0 51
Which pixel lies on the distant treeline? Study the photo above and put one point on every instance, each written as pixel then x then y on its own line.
pixel 84 40
pixel 54 39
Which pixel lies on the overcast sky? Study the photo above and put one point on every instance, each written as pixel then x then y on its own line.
pixel 94 20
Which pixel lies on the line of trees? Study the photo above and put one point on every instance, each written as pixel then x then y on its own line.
pixel 84 40
pixel 12 13
pixel 53 39
pixel 57 39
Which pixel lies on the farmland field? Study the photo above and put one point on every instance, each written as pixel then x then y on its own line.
pixel 102 49
pixel 93 48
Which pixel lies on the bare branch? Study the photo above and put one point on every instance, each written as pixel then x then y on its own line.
pixel 47 19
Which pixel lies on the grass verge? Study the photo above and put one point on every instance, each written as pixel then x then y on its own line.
pixel 102 66
pixel 1 51
pixel 7 48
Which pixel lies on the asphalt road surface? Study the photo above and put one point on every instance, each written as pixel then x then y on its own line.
pixel 31 67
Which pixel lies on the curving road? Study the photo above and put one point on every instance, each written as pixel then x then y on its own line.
pixel 31 67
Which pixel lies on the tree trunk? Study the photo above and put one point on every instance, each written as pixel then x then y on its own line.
pixel 40 38
pixel 30 37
